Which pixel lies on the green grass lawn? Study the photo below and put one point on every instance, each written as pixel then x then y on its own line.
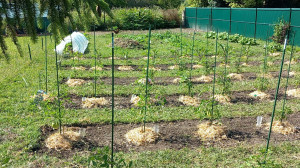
pixel 21 119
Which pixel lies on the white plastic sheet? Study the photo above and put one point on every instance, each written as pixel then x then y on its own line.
pixel 79 43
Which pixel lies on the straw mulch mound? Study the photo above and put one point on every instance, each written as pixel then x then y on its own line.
pixel 139 137
pixel 294 92
pixel 153 69
pixel 270 63
pixel 235 76
pixel 135 100
pixel 211 131
pixel 245 64
pixel 205 79
pixel 143 81
pixel 63 141
pixel 259 95
pixel 176 80
pixel 292 73
pixel 223 65
pixel 197 66
pixel 281 127
pixel 189 101
pixel 223 99
pixel 268 76
pixel 173 67
pixel 78 68
pixel 97 68
pixel 292 62
pixel 94 102
pixel 75 82
pixel 275 54
pixel 125 68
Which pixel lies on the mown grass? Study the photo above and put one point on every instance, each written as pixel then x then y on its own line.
pixel 20 119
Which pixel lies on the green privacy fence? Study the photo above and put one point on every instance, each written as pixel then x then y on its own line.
pixel 250 22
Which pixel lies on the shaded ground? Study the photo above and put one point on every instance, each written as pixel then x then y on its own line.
pixel 173 135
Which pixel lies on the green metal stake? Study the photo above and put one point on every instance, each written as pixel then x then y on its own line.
pixel 58 95
pixel 287 81
pixel 112 98
pixel 180 39
pixel 29 52
pixel 226 56
pixel 192 56
pixel 39 80
pixel 266 58
pixel 42 43
pixel 147 78
pixel 46 63
pixel 95 87
pixel 215 67
pixel 276 95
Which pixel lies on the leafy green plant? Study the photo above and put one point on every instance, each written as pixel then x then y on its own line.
pixel 185 79
pixel 102 159
pixel 206 62
pixel 262 83
pixel 205 110
pixel 281 28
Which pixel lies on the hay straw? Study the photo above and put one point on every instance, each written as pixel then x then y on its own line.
pixel 281 127
pixel 268 76
pixel 211 131
pixel 173 67
pixel 176 80
pixel 64 141
pixel 189 101
pixel 275 54
pixel 143 81
pixel 292 73
pixel 235 76
pixel 223 65
pixel 97 68
pixel 292 62
pixel 135 100
pixel 138 137
pixel 125 68
pixel 94 102
pixel 205 79
pixel 270 63
pixel 197 66
pixel 75 82
pixel 78 68
pixel 245 64
pixel 154 69
pixel 294 92
pixel 259 95
pixel 223 99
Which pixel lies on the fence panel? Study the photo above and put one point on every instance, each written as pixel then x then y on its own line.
pixel 251 22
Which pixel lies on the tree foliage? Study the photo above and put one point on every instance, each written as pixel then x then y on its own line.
pixel 59 13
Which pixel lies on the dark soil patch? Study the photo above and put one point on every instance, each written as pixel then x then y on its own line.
pixel 123 101
pixel 173 135
pixel 128 43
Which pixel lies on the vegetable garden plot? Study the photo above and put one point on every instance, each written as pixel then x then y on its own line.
pixel 175 135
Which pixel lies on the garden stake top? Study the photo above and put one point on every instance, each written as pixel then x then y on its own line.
pixel 147 78
pixel 276 95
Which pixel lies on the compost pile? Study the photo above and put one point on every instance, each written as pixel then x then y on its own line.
pixel 128 43
pixel 211 131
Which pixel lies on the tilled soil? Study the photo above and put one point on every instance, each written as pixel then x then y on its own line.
pixel 173 135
